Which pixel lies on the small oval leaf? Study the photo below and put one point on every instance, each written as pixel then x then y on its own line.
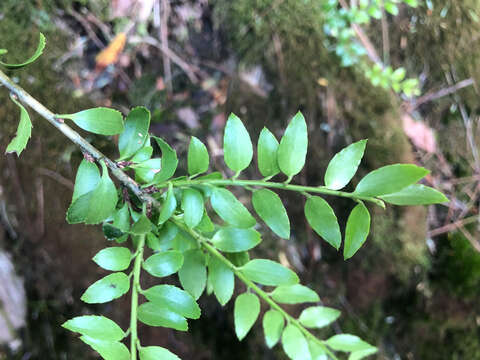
pixel 108 350
pixel 192 206
pixel 356 231
pixel 168 207
pixel 267 153
pixel 103 121
pixel 318 316
pixel 193 274
pixel 245 313
pixel 222 279
pixel 86 180
pixel 273 324
pixel 237 146
pixel 294 344
pixel 113 258
pixel 235 240
pixel 164 264
pixel 268 272
pixel 344 165
pixel 389 179
pixel 293 146
pixel 323 221
pixel 97 327
pixel 415 194
pixel 169 161
pixel 270 208
pixel 156 353
pixel 106 289
pixel 151 314
pixel 230 209
pixel 135 134
pixel 347 343
pixel 294 294
pixel 175 299
pixel 197 158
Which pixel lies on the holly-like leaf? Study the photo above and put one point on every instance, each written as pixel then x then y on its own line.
pixel 245 313
pixel 133 137
pixel 156 353
pixel 168 207
pixel 230 209
pixel 273 324
pixel 356 231
pixel 294 294
pixel 108 350
pixel 318 316
pixel 267 153
pixel 415 194
pixel 35 56
pixel 236 240
pixel 106 289
pixel 193 274
pixel 96 205
pixel 270 208
pixel 151 314
pixel 294 343
pixel 389 179
pixel 222 279
pixel 169 162
pixel 293 146
pixel 24 131
pixel 268 272
pixel 97 327
pixel 174 299
pixel 237 145
pixel 164 264
pixel 197 158
pixel 347 343
pixel 323 221
pixel 103 121
pixel 113 258
pixel 192 206
pixel 344 165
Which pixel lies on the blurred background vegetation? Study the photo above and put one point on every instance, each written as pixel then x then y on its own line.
pixel 412 290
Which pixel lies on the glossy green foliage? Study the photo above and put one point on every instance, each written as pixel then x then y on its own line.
pixel 169 161
pixel 113 258
pixel 294 343
pixel 106 289
pixel 97 327
pixel 269 207
pixel 151 314
pixel 273 324
pixel 230 209
pixel 294 294
pixel 415 194
pixel 318 316
pixel 198 159
pixel 103 121
pixel 192 206
pixel 24 131
pixel 344 165
pixel 108 350
pixel 235 240
pixel 246 311
pixel 268 272
pixel 193 274
pixel 323 221
pixel 292 150
pixel 35 56
pixel 356 232
pixel 237 146
pixel 155 353
pixel 164 264
pixel 267 149
pixel 135 134
pixel 222 279
pixel 175 299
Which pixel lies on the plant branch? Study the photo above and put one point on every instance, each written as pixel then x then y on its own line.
pixel 275 185
pixel 134 306
pixel 204 242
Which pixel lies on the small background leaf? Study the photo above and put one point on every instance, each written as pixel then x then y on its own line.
pixel 35 56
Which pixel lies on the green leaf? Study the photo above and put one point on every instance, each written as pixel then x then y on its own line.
pixel 222 279
pixel 273 324
pixel 106 289
pixel 97 327
pixel 197 158
pixel 317 352
pixel 142 226
pixel 318 316
pixel 169 162
pixel 267 153
pixel 415 194
pixel 294 294
pixel 389 179
pixel 268 272
pixel 174 299
pixel 146 170
pixel 108 350
pixel 361 354
pixel 3 51
pixel 87 179
pixel 97 205
pixel 24 131
pixel 156 353
pixel 239 258
pixel 168 207
pixel 294 344
pixel 235 240
pixel 293 146
pixel 113 258
pixel 35 56
pixel 135 134
pixel 356 231
pixel 144 154
pixel 103 121
pixel 151 314
pixel 347 343
pixel 206 224
pixel 165 238
pixel 237 146
pixel 121 218
pixel 344 165
pixel 111 232
pixel 230 209
pixel 245 313
pixel 391 8
pixel 192 206
pixel 269 207
pixel 164 263
pixel 323 221
pixel 193 274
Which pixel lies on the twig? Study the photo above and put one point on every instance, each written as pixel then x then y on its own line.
pixel 167 67
pixel 453 226
pixel 56 176
pixel 385 37
pixel 86 25
pixel 430 96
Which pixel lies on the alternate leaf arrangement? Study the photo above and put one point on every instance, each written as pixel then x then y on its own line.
pixel 194 226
